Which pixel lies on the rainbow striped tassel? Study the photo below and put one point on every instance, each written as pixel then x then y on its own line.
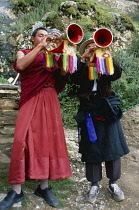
pixel 68 62
pixel 104 69
pixel 109 65
pixel 65 62
pixel 75 63
pixel 104 63
pixel 104 66
pixel 98 65
pixel 92 74
pixel 50 61
pixel 72 63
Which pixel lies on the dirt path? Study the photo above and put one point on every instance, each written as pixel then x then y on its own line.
pixel 129 181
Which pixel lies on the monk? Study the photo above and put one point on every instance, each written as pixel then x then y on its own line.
pixel 39 149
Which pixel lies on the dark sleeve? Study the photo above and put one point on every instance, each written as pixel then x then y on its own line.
pixel 117 71
pixel 60 81
pixel 78 75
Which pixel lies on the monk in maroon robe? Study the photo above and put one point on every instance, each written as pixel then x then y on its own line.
pixel 39 149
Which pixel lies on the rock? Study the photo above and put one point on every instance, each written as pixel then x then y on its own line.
pixel 7 130
pixel 6 103
pixel 37 25
pixel 8 86
pixel 46 15
pixel 6 139
pixel 20 38
pixel 7 120
pixel 4 158
pixel 67 4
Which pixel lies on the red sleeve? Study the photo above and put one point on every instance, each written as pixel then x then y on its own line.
pixel 15 68
pixel 14 64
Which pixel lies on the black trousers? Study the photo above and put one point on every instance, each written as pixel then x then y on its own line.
pixel 94 170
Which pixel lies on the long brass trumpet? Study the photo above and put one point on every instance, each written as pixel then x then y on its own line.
pixel 74 35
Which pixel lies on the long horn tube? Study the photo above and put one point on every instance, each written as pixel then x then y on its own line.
pixel 103 37
pixel 74 34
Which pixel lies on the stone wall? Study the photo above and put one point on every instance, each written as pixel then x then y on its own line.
pixel 9 97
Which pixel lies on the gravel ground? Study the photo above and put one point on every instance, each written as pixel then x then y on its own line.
pixel 129 181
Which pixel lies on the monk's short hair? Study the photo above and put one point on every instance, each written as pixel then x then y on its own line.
pixel 37 29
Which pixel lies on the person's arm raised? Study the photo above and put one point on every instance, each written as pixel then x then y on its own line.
pixel 23 61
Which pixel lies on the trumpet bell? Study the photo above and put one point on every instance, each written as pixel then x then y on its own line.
pixel 103 37
pixel 74 33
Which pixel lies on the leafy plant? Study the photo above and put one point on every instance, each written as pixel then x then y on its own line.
pixel 133 47
pixel 71 11
pixel 128 85
pixel 69 106
pixel 3 80
pixel 104 18
pixel 127 22
pixel 54 20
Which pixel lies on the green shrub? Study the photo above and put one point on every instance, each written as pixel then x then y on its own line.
pixel 135 17
pixel 128 85
pixel 3 80
pixel 69 105
pixel 71 11
pixel 127 22
pixel 54 20
pixel 104 18
pixel 84 7
pixel 133 47
pixel 87 24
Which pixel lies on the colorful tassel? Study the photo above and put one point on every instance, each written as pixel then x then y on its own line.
pixel 68 62
pixel 92 74
pixel 103 61
pixel 50 61
pixel 64 61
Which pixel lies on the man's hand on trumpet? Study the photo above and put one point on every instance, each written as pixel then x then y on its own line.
pixel 89 50
pixel 57 38
pixel 51 41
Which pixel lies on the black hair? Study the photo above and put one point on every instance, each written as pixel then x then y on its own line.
pixel 37 29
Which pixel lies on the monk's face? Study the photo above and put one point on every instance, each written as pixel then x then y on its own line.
pixel 39 37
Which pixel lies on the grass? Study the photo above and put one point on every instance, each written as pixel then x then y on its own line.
pixel 62 189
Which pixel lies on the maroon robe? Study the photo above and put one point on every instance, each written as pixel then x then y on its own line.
pixel 39 149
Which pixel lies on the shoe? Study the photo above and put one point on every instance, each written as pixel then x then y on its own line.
pixel 116 192
pixel 92 194
pixel 47 195
pixel 11 198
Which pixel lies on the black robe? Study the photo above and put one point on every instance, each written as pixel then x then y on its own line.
pixel 104 108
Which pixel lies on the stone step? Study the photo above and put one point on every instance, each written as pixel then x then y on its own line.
pixel 6 139
pixel 8 112
pixel 6 103
pixel 7 120
pixel 4 158
pixel 7 130
pixel 8 86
